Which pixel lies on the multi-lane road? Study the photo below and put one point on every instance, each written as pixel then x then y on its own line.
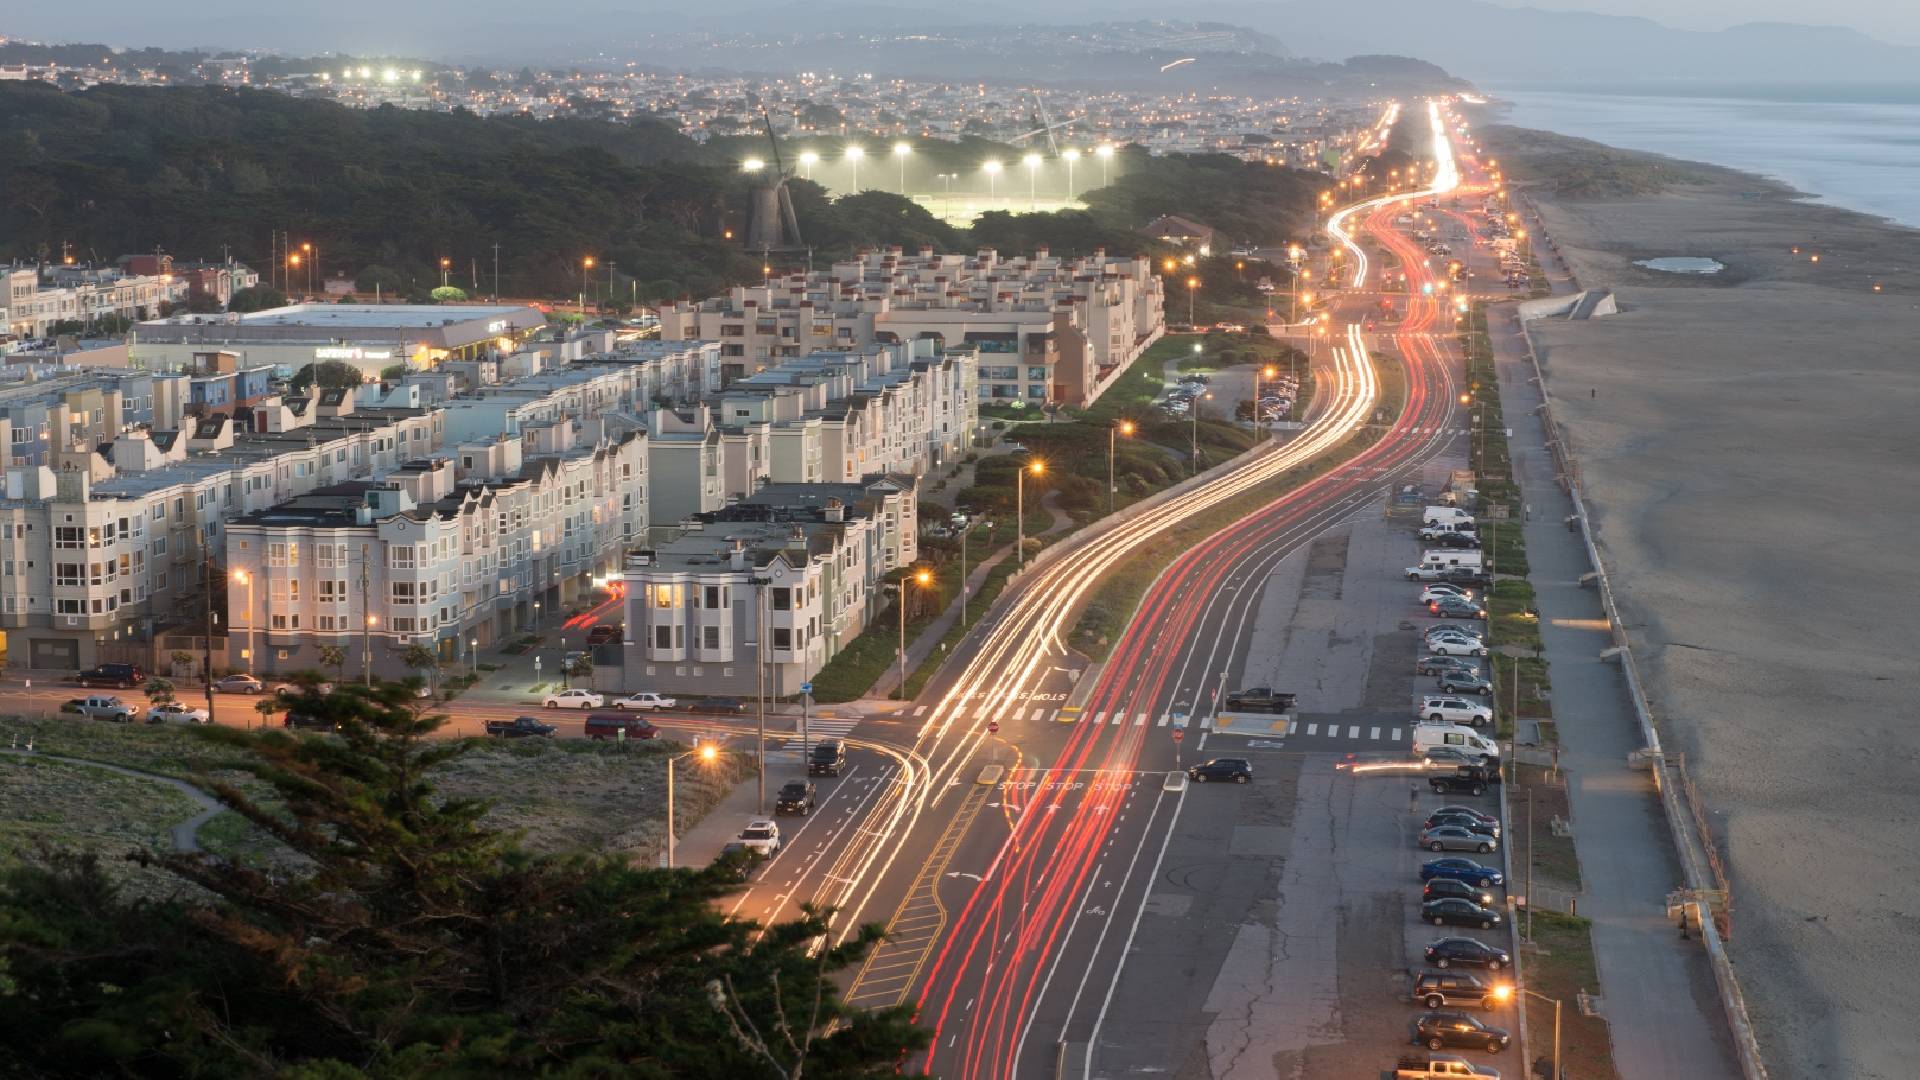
pixel 1012 826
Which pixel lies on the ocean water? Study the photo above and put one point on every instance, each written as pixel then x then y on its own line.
pixel 1862 155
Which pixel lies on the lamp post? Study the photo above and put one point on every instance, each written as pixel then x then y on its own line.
pixel 586 268
pixel 854 154
pixel 253 621
pixel 900 152
pixel 1020 508
pixel 306 252
pixel 1032 162
pixel 706 754
pixel 808 159
pixel 1555 1002
pixel 992 169
pixel 922 578
pixel 473 653
pixel 1266 372
pixel 293 264
pixel 1105 153
pixel 1193 286
pixel 1124 427
pixel 1070 157
pixel 1193 430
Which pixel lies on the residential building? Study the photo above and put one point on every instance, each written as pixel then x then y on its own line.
pixel 38 298
pixel 1048 330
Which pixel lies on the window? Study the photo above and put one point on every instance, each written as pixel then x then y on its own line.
pixel 400 557
pixel 276 554
pixel 293 554
pixel 663 637
pixel 402 625
pixel 159 546
pixel 293 590
pixel 323 622
pixel 69 537
pixel 70 606
pixel 781 599
pixel 782 638
pixel 713 599
pixel 402 592
pixel 323 556
pixel 710 637
pixel 277 622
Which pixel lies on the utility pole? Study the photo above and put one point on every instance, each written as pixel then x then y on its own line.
pixel 496 273
pixel 1529 863
pixel 206 593
pixel 366 623
pixel 760 662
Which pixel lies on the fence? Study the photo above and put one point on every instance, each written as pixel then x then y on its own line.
pixel 1684 809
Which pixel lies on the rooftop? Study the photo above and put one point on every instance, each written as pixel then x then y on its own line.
pixel 389 316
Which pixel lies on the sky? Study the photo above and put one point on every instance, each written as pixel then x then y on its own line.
pixel 1896 22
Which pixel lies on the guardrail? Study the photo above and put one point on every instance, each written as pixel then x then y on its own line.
pixel 1683 809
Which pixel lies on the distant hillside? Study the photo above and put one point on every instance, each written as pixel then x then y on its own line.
pixel 116 169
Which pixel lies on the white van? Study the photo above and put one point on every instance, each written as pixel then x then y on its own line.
pixel 1428 736
pixel 1444 515
pixel 1452 557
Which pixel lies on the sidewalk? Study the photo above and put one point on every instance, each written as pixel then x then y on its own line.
pixel 934 632
pixel 1658 991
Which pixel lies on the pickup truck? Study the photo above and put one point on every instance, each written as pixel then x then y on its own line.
pixel 1427 1066
pixel 1259 699
pixel 100 707
pixel 520 727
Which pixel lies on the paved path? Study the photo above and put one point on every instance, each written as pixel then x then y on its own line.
pixel 1658 990
pixel 186 835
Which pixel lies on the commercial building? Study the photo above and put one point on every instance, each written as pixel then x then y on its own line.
pixel 371 337
pixel 798 568
pixel 1048 330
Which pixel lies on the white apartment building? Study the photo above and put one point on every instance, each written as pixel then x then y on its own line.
pixel 454 557
pixel 799 569
pixel 1048 330
pixel 38 297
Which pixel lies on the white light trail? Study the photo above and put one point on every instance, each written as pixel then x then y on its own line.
pixel 1446 177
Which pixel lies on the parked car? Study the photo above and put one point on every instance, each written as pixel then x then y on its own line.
pixel 1453 911
pixel 1456 645
pixel 1445 888
pixel 173 712
pixel 716 705
pixel 1469 821
pixel 575 698
pixel 238 683
pixel 520 727
pixel 1456 838
pixel 1427 573
pixel 1437 665
pixel 643 701
pixel 1452 755
pixel 1448 607
pixel 826 758
pixel 1444 588
pixel 100 707
pixel 1445 709
pixel 1460 541
pixel 1237 770
pixel 1455 952
pixel 1474 778
pixel 1468 811
pixel 1464 575
pixel 1462 870
pixel 122 676
pixel 1442 1067
pixel 619 726
pixel 1437 989
pixel 796 797
pixel 1439 1030
pixel 1464 682
pixel 309 722
pixel 1476 631
pixel 761 836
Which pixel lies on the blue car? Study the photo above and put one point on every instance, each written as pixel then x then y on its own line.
pixel 1462 870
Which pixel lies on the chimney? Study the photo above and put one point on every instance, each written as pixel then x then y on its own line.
pixel 737 558
pixel 797 539
pixel 836 511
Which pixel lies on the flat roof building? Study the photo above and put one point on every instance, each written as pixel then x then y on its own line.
pixel 371 337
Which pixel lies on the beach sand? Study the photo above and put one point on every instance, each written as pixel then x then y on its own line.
pixel 1750 446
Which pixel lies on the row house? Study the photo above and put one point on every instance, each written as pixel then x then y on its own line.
pixel 36 298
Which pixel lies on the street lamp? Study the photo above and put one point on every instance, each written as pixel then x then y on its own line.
pixel 1032 162
pixel 1267 372
pixel 253 621
pixel 1504 992
pixel 586 268
pixel 1105 153
pixel 707 754
pixel 992 169
pixel 922 578
pixel 900 152
pixel 473 653
pixel 306 252
pixel 808 159
pixel 1070 157
pixel 752 165
pixel 854 154
pixel 1020 507
pixel 1123 427
pixel 1193 286
pixel 1193 431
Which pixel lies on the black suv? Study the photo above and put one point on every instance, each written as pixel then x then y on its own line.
pixel 1466 952
pixel 1259 699
pixel 1472 779
pixel 1437 988
pixel 1440 1030
pixel 1442 888
pixel 1237 770
pixel 827 759
pixel 1465 682
pixel 123 676
pixel 796 797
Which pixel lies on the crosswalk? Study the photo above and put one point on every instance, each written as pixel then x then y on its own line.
pixel 1332 730
pixel 822 727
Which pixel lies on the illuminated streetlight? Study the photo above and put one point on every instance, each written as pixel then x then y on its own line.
pixel 854 154
pixel 922 578
pixel 1124 427
pixel 1032 162
pixel 753 164
pixel 1071 157
pixel 1105 153
pixel 992 169
pixel 1193 286
pixel 1037 468
pixel 808 159
pixel 707 755
pixel 900 152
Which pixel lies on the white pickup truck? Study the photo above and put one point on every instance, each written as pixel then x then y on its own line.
pixel 1427 1066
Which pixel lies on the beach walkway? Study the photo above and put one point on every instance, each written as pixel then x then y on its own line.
pixel 1657 991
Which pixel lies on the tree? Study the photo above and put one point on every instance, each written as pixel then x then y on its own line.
pixel 384 279
pixel 159 691
pixel 181 659
pixel 256 298
pixel 328 374
pixel 448 294
pixel 335 657
pixel 414 941
pixel 422 658
pixel 267 706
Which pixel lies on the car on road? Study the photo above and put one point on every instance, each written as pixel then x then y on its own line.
pixel 520 727
pixel 618 725
pixel 1453 911
pixel 643 701
pixel 1438 989
pixel 1444 888
pixel 1439 1030
pixel 1464 682
pixel 761 836
pixel 1470 821
pixel 1437 665
pixel 726 705
pixel 826 758
pixel 796 797
pixel 1441 588
pixel 1453 952
pixel 238 684
pixel 100 707
pixel 1236 770
pixel 744 860
pixel 1260 699
pixel 1456 645
pixel 173 712
pixel 604 634
pixel 575 698
pixel 1462 870
pixel 1456 838
pixel 1448 607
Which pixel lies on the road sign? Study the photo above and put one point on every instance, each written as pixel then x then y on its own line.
pixel 806 688
pixel 993 727
pixel 1179 733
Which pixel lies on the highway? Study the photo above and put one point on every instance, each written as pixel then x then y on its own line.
pixel 1011 905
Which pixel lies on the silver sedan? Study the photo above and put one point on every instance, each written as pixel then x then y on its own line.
pixel 1455 838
